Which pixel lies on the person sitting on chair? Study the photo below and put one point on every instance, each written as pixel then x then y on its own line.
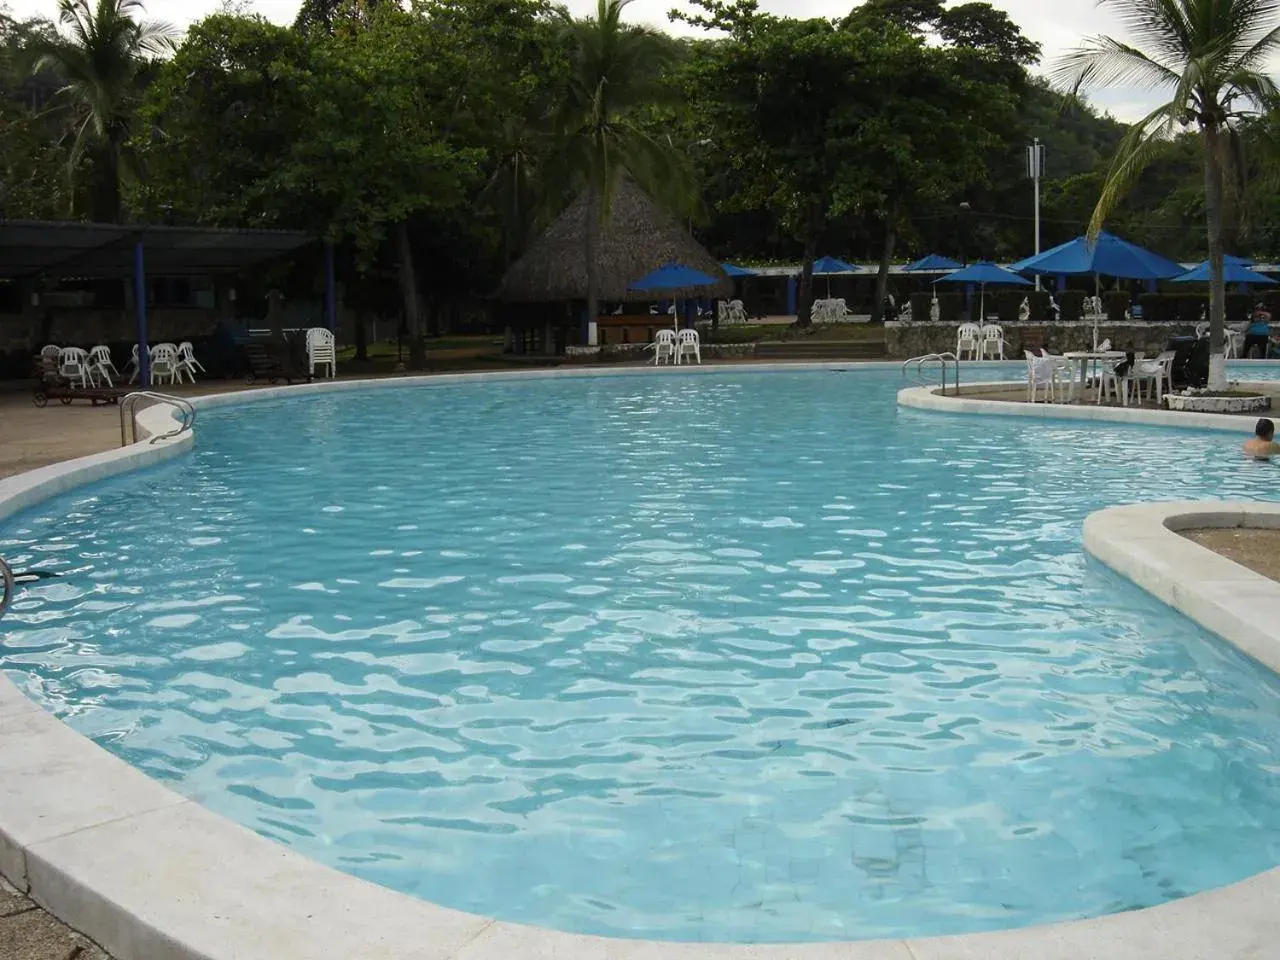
pixel 1259 332
pixel 1262 445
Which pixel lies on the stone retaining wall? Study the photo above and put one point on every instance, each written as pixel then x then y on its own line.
pixel 904 340
pixel 622 352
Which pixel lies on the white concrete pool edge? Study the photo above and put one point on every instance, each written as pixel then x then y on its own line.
pixel 152 875
pixel 928 398
pixel 1141 542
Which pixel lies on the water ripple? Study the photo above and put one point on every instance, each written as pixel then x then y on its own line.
pixel 746 657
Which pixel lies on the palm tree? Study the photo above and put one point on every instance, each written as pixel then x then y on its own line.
pixel 617 71
pixel 100 55
pixel 1212 57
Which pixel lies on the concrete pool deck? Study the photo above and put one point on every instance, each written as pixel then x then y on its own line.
pixel 152 875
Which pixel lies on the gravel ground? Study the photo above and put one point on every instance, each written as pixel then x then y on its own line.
pixel 1257 549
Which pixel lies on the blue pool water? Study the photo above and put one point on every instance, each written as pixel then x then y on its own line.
pixel 753 656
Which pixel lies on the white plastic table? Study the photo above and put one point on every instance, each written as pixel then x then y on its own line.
pixel 1083 359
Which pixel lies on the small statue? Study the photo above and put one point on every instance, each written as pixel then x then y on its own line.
pixel 905 315
pixel 1055 311
pixel 935 311
pixel 1024 310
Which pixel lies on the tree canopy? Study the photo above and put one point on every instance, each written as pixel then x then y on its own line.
pixel 432 141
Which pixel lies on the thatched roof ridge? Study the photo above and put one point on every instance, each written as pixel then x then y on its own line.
pixel 638 239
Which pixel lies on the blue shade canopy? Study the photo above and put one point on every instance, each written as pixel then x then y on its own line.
pixel 1109 256
pixel 1233 271
pixel 832 265
pixel 985 272
pixel 673 277
pixel 734 271
pixel 933 263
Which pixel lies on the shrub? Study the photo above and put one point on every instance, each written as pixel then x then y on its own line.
pixel 1072 304
pixel 1114 304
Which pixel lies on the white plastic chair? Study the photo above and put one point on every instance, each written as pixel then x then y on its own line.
pixel 1040 373
pixel 967 341
pixel 992 340
pixel 1156 372
pixel 187 360
pixel 1112 384
pixel 688 345
pixel 321 350
pixel 1061 374
pixel 50 351
pixel 133 363
pixel 101 364
pixel 1233 341
pixel 663 347
pixel 164 363
pixel 73 365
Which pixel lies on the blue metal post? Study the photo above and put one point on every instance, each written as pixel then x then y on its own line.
pixel 1153 286
pixel 330 299
pixel 1062 282
pixel 140 312
pixel 791 295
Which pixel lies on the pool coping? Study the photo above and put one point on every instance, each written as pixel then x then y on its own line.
pixel 929 398
pixel 152 875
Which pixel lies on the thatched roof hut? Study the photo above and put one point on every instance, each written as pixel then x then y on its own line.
pixel 638 239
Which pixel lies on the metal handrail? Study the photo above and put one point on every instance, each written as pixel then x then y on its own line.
pixel 943 359
pixel 6 575
pixel 129 416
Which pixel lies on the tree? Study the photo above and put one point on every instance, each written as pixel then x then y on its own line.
pixel 101 56
pixel 615 71
pixel 788 96
pixel 1211 55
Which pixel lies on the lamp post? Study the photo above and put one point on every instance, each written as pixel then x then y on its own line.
pixel 964 232
pixel 1035 170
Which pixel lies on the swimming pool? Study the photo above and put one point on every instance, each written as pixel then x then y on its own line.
pixel 752 656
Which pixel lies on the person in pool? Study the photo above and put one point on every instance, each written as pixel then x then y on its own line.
pixel 1262 446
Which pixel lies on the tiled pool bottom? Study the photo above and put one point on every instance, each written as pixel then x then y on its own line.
pixel 796 721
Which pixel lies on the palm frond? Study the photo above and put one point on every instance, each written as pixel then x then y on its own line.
pixel 1144 141
pixel 1103 61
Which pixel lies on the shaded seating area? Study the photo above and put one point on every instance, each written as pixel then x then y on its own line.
pixel 544 293
pixel 36 255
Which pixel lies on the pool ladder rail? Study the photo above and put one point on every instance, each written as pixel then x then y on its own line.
pixel 129 415
pixel 942 359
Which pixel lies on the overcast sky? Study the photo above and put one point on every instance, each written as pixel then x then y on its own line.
pixel 1056 24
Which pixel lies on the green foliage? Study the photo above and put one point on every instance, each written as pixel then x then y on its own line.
pixel 1211 57
pixel 101 55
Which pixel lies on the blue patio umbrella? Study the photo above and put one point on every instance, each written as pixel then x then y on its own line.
pixel 1234 270
pixel 825 266
pixel 734 271
pixel 982 273
pixel 1108 255
pixel 933 263
pixel 675 280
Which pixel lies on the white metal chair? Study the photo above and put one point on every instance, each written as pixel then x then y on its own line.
pixel 1040 373
pixel 321 350
pixel 663 347
pixel 164 363
pixel 688 345
pixel 992 340
pixel 73 365
pixel 50 351
pixel 967 341
pixel 101 364
pixel 187 360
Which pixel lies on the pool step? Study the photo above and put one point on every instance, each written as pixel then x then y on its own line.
pixel 821 350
